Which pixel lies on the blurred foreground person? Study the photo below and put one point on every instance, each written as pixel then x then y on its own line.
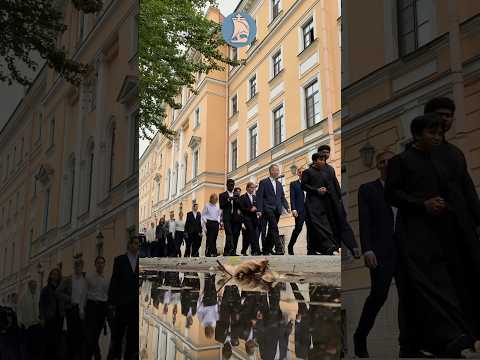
pixel 123 302
pixel 52 315
pixel 436 249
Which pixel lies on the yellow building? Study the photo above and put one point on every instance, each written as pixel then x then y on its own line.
pixel 393 64
pixel 65 184
pixel 276 108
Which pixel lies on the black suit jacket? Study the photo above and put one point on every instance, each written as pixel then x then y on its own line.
pixel 123 288
pixel 229 215
pixel 376 220
pixel 267 199
pixel 297 197
pixel 245 205
pixel 193 225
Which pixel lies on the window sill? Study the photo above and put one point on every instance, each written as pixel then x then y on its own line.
pixel 235 114
pixel 252 99
pixel 275 20
pixel 307 48
pixel 276 76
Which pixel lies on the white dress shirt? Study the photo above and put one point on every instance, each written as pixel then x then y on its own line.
pixel 150 235
pixel 28 309
pixel 79 291
pixel 274 184
pixel 133 260
pixel 171 226
pixel 207 315
pixel 180 225
pixel 97 287
pixel 250 196
pixel 211 212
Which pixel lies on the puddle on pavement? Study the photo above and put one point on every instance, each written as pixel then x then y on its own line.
pixel 190 315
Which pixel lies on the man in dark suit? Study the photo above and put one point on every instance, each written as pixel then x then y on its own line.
pixel 297 202
pixel 270 204
pixel 193 229
pixel 229 206
pixel 377 223
pixel 237 218
pixel 123 301
pixel 248 205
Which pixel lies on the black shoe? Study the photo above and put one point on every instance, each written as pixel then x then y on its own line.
pixel 234 254
pixel 244 253
pixel 290 249
pixel 278 253
pixel 257 254
pixel 360 346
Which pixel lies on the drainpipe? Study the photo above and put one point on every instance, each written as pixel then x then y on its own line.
pixel 227 124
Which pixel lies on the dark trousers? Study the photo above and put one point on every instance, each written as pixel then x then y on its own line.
pixel 179 235
pixel 228 228
pixel 251 236
pixel 75 334
pixel 212 234
pixel 192 245
pixel 95 317
pixel 273 236
pixel 236 229
pixel 161 247
pixel 381 279
pixel 125 324
pixel 53 340
pixel 299 222
pixel 171 246
pixel 33 342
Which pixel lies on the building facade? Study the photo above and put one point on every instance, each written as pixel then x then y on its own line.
pixel 410 52
pixel 66 188
pixel 277 107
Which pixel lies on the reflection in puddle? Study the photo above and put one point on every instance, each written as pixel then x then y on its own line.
pixel 193 316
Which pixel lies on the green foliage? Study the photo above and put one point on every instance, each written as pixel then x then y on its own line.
pixel 30 26
pixel 176 42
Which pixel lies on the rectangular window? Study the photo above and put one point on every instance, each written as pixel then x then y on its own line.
pixel 90 179
pixel 253 133
pixel 234 105
pixel 234 54
pixel 234 154
pixel 112 158
pixel 197 117
pixel 81 22
pixel 195 163
pixel 312 103
pixel 278 135
pixel 307 31
pixel 275 8
pixel 40 125
pixel 277 62
pixel 252 86
pixel 22 145
pixel 414 25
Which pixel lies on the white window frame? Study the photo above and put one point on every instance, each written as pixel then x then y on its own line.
pixel 270 10
pixel 231 154
pixel 195 162
pixel 305 21
pixel 251 126
pixel 283 133
pixel 231 104
pixel 248 85
pixel 196 119
pixel 303 100
pixel 274 52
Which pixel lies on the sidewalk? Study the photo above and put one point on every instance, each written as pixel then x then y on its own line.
pixel 323 269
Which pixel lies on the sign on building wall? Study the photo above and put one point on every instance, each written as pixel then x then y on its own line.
pixel 239 29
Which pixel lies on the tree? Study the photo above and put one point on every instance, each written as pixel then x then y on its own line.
pixel 30 26
pixel 176 42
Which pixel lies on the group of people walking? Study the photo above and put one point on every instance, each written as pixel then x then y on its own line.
pixel 315 200
pixel 418 225
pixel 66 318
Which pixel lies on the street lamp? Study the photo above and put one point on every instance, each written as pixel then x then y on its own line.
pixel 293 169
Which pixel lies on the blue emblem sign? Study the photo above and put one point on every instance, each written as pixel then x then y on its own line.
pixel 239 29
